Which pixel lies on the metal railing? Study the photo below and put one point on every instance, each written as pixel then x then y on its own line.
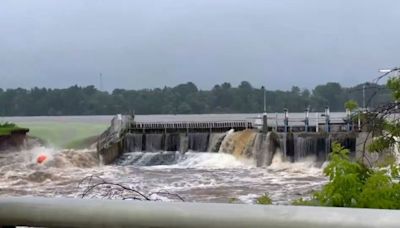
pixel 192 125
pixel 59 212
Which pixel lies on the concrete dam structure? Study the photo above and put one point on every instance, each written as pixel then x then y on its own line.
pixel 164 143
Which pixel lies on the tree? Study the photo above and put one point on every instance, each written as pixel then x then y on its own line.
pixel 330 94
pixel 183 98
pixel 351 105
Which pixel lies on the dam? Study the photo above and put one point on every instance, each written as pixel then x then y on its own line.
pixel 258 139
pixel 228 161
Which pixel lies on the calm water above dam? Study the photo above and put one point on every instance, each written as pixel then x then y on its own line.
pixel 195 176
pixel 155 118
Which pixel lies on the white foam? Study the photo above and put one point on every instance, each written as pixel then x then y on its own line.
pixel 249 198
pixel 38 151
pixel 226 139
pixel 305 165
pixel 196 176
pixel 210 161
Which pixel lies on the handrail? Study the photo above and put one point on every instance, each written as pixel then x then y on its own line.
pixel 62 212
pixel 192 124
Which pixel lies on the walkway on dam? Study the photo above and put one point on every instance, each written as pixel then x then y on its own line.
pixel 214 122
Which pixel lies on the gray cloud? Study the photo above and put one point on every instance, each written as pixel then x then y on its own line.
pixel 152 43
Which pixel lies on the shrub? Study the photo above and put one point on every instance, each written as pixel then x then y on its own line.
pixel 352 184
pixel 264 200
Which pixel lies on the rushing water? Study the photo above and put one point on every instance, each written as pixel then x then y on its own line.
pixel 200 177
pixel 235 170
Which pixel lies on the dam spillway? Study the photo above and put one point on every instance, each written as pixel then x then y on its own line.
pixel 240 138
pixel 228 170
pixel 247 144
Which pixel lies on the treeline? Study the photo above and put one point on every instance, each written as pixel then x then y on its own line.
pixel 183 99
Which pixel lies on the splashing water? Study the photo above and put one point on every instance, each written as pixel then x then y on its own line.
pixel 305 166
pixel 200 177
pixel 211 161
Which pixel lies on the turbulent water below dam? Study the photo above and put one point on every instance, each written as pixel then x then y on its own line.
pixel 238 167
pixel 194 176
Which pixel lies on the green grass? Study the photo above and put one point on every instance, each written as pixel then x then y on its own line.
pixel 81 143
pixel 8 128
pixel 5 131
pixel 66 134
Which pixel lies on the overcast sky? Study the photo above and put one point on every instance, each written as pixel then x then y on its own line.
pixel 153 43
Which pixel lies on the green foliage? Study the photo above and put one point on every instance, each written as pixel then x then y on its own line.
pixel 304 202
pixel 7 125
pixel 380 143
pixel 264 200
pixel 389 129
pixel 351 105
pixel 345 180
pixel 394 85
pixel 379 191
pixel 183 98
pixel 352 184
pixel 7 128
pixel 232 200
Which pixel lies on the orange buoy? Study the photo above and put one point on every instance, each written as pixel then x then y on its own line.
pixel 41 159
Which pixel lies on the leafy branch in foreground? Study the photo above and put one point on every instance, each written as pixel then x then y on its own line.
pixel 353 183
pixel 95 186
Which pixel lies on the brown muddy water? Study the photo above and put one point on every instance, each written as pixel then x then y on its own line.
pixel 195 177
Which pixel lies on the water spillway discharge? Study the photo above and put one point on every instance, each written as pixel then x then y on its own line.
pixel 215 141
pixel 149 158
pixel 264 149
pixel 238 143
pixel 246 144
pixel 133 142
pixel 198 141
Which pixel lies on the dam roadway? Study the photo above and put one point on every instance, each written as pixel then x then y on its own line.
pixel 295 122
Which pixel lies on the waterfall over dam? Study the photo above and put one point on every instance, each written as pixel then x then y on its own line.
pixel 163 149
pixel 159 147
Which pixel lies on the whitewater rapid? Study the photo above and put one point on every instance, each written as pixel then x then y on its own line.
pixel 194 176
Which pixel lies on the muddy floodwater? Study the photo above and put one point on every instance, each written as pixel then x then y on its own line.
pixel 194 177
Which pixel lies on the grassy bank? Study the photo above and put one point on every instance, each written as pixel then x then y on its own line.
pixel 65 134
pixel 9 128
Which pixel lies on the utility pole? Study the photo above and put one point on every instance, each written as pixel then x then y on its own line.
pixel 306 119
pixel 101 82
pixel 364 108
pixel 265 100
pixel 265 118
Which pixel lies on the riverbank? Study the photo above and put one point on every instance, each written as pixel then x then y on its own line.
pixel 12 136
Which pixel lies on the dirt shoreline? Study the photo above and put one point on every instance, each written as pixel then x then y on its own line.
pixel 13 141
